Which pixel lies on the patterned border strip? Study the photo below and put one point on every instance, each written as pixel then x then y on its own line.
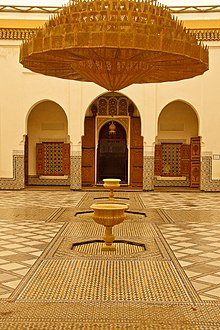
pixel 22 34
pixel 207 183
pixel 16 34
pixel 17 182
pixel 55 9
pixel 206 34
pixel 29 9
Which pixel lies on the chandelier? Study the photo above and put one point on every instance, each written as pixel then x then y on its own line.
pixel 114 44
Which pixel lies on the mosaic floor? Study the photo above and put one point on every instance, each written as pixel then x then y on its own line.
pixel 164 274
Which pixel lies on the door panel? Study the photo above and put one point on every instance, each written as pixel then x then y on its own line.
pixel 136 153
pixel 195 162
pixel 88 152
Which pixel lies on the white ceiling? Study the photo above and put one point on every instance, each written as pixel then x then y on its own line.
pixel 52 3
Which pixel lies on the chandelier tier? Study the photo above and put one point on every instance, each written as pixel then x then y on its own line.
pixel 115 44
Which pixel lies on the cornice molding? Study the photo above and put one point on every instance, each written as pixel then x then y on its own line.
pixel 206 34
pixel 55 9
pixel 22 34
pixel 16 33
pixel 29 9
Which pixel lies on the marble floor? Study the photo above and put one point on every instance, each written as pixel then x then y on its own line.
pixel 164 274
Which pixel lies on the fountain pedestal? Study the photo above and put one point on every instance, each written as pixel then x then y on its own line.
pixel 111 184
pixel 108 215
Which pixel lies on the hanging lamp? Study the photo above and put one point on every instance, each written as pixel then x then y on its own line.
pixel 115 44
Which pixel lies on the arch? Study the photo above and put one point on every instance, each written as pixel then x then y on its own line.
pixel 177 120
pixel 33 106
pixel 89 111
pixel 47 147
pixel 118 107
pixel 177 146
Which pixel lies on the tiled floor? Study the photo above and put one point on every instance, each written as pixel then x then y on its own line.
pixel 21 243
pixel 176 276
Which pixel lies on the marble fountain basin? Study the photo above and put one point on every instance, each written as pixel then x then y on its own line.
pixel 108 215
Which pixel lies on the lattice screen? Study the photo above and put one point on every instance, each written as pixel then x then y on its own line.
pixel 53 158
pixel 112 106
pixel 171 159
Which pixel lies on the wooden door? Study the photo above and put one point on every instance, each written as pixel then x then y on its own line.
pixel 195 162
pixel 136 153
pixel 88 152
pixel 26 160
pixel 40 159
pixel 185 160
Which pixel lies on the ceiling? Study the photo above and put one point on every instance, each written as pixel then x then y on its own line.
pixel 62 2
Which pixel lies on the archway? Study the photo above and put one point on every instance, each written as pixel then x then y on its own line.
pixel 112 153
pixel 47 151
pixel 177 149
pixel 123 112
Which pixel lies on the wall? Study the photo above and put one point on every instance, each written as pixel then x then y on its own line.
pixel 21 90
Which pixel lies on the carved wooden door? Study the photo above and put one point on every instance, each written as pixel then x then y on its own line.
pixel 185 160
pixel 26 160
pixel 136 153
pixel 40 159
pixel 195 162
pixel 158 159
pixel 88 152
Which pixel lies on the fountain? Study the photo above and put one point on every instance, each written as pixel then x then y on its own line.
pixel 108 215
pixel 111 184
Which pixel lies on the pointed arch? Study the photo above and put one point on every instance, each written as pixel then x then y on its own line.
pixel 118 107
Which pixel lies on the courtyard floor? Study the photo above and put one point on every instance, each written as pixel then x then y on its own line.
pixel 164 274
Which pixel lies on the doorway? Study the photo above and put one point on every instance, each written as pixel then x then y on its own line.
pixel 112 154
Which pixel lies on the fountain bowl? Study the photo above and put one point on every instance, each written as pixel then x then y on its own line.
pixel 108 215
pixel 111 183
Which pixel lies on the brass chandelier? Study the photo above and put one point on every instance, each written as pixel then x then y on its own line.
pixel 114 44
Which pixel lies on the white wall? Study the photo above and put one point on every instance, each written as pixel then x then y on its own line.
pixel 21 90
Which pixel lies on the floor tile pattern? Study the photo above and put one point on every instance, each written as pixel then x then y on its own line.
pixel 108 316
pixel 25 213
pixel 197 249
pixel 105 280
pixel 196 216
pixel 174 284
pixel 21 243
pixel 181 201
pixel 54 199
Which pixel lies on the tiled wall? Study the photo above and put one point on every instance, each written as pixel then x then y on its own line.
pixel 75 171
pixel 207 183
pixel 148 173
pixel 17 181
